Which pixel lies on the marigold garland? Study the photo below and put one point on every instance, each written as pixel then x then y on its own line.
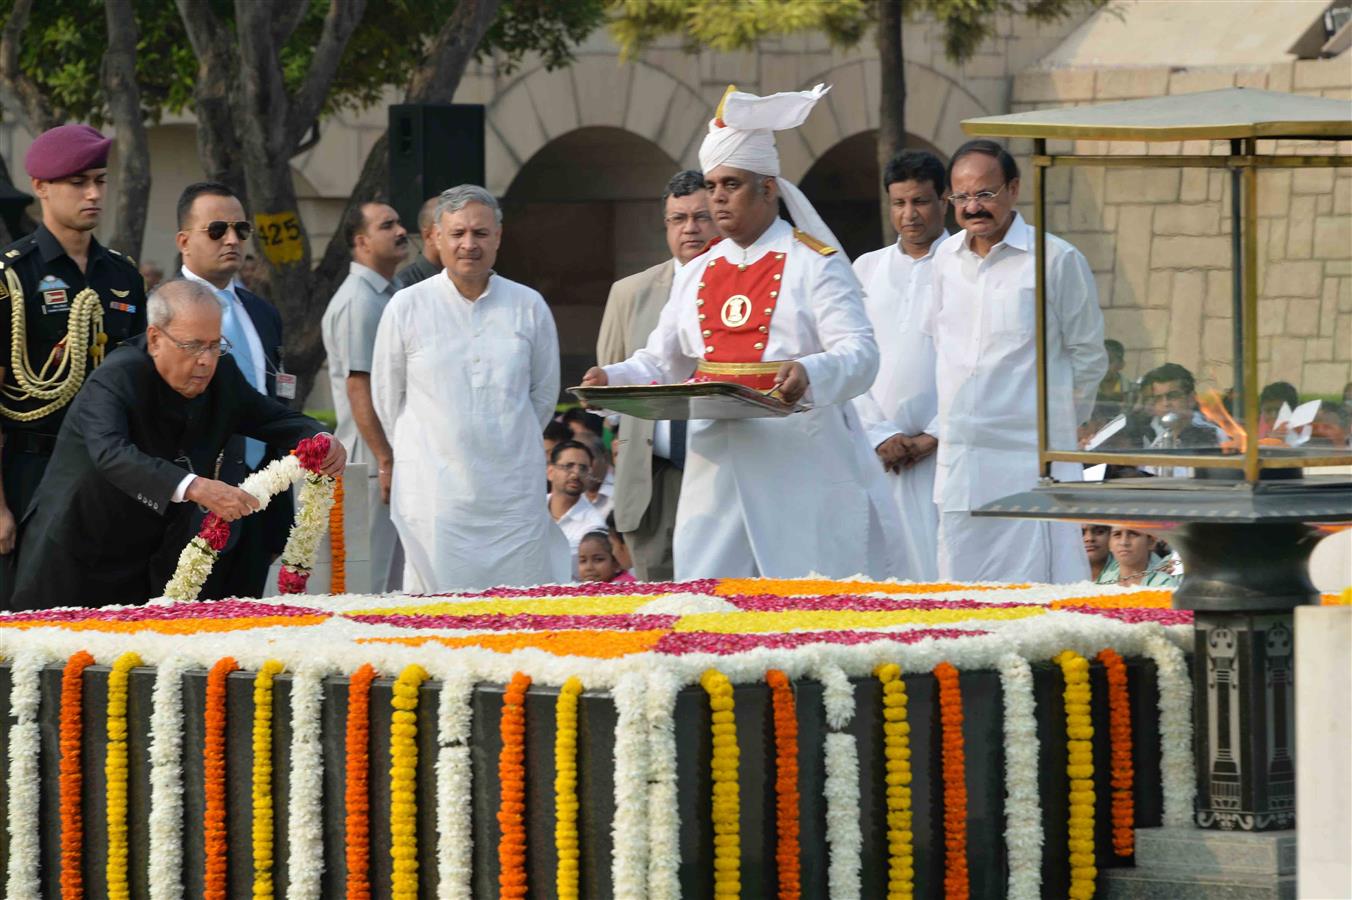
pixel 337 542
pixel 403 783
pixel 512 783
pixel 1080 769
pixel 565 789
pixel 786 785
pixel 897 749
pixel 956 882
pixel 72 775
pixel 1119 735
pixel 357 789
pixel 262 779
pixel 115 773
pixel 726 801
pixel 216 850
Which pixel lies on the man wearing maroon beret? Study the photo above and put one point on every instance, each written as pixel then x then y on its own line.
pixel 77 299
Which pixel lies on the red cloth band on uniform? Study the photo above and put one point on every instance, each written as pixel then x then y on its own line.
pixel 67 150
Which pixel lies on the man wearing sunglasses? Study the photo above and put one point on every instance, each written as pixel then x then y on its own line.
pixel 135 458
pixel 213 237
pixel 983 319
pixel 57 274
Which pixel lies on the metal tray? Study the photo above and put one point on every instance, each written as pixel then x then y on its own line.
pixel 705 400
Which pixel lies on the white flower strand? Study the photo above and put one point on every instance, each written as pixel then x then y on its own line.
pixel 1023 808
pixel 664 822
pixel 843 834
pixel 194 565
pixel 272 479
pixel 25 697
pixel 165 875
pixel 629 832
pixel 455 828
pixel 312 521
pixel 837 695
pixel 1178 775
pixel 305 810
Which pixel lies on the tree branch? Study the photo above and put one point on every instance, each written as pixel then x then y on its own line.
pixel 437 79
pixel 286 18
pixel 37 113
pixel 217 63
pixel 132 176
pixel 341 20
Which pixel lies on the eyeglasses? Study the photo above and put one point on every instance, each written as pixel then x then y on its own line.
pixel 216 230
pixel 981 197
pixel 1170 395
pixel 197 348
pixel 582 468
pixel 679 219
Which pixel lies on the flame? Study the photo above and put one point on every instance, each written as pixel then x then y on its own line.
pixel 1211 405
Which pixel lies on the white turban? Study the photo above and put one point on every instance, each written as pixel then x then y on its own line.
pixel 742 135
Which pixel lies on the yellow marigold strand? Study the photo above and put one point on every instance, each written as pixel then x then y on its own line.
pixel 403 784
pixel 115 773
pixel 726 808
pixel 1080 769
pixel 897 748
pixel 565 789
pixel 262 779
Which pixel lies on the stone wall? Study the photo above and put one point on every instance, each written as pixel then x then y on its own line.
pixel 1159 239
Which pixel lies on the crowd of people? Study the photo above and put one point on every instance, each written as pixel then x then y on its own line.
pixel 913 372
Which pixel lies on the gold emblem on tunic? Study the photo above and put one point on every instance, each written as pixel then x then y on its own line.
pixel 736 310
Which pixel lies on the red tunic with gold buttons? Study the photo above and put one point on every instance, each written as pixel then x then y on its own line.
pixel 736 305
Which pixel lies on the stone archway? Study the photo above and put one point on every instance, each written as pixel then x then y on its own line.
pixel 581 213
pixel 845 186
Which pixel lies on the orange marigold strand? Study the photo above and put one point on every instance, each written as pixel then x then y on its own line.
pixel 956 882
pixel 72 775
pixel 337 542
pixel 786 785
pixel 1123 771
pixel 512 780
pixel 214 881
pixel 357 789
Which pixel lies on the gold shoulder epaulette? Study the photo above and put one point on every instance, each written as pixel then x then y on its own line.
pixel 822 248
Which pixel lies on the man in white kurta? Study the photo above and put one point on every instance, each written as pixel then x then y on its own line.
pixel 900 411
pixel 464 385
pixel 773 497
pixel 983 322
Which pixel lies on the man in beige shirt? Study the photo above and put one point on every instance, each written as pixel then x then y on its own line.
pixel 649 455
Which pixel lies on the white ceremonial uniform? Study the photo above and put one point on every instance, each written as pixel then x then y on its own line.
pixel 778 497
pixel 903 399
pixel 983 322
pixel 464 389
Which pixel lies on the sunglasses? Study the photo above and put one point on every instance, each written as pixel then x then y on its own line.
pixel 216 230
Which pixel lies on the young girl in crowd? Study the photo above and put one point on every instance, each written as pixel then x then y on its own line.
pixel 596 561
pixel 1137 563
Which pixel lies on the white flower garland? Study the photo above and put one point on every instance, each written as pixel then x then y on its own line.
pixel 312 521
pixel 1023 808
pixel 272 479
pixel 1178 775
pixel 629 847
pixel 664 822
pixel 455 828
pixel 166 781
pixel 25 697
pixel 305 809
pixel 843 834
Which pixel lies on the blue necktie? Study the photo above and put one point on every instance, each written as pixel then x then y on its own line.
pixel 233 331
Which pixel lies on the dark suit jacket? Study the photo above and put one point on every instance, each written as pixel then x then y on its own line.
pixel 102 528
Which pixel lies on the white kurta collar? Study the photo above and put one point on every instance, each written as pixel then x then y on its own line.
pixel 1019 236
pixel 769 240
pixel 929 254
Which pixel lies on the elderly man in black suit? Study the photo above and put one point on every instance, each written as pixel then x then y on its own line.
pixel 213 238
pixel 115 507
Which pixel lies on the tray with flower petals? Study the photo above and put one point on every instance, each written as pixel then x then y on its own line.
pixel 698 400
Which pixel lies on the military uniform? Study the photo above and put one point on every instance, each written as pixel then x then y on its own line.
pixel 50 281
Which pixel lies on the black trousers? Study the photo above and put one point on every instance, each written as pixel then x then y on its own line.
pixel 21 471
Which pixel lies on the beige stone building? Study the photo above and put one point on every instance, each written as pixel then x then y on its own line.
pixel 580 155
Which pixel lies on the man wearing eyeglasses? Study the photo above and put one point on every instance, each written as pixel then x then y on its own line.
pixel 569 465
pixel 213 237
pixel 649 456
pixel 983 322
pixel 56 276
pixel 136 454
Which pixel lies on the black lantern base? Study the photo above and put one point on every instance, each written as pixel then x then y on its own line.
pixel 1244 567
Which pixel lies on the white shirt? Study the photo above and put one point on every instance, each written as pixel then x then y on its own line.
pixel 464 389
pixel 983 322
pixel 577 523
pixel 897 298
pixel 246 325
pixel 349 332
